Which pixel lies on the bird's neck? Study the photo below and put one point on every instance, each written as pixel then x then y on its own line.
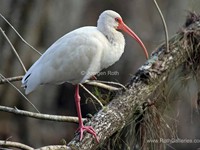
pixel 112 35
pixel 115 47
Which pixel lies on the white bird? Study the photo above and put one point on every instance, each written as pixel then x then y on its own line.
pixel 79 55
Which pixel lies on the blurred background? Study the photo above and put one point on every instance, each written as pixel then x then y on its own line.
pixel 42 22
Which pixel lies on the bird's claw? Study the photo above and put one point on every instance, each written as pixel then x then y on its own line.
pixel 89 129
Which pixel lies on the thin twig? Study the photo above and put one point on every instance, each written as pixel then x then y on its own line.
pixel 14 50
pixel 15 145
pixel 19 34
pixel 20 93
pixel 103 84
pixel 164 24
pixel 91 95
pixel 11 79
pixel 39 115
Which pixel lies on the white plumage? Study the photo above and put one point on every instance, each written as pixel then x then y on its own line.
pixel 78 55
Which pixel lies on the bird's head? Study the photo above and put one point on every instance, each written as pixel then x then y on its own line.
pixel 112 20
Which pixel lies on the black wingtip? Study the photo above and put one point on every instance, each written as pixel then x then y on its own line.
pixel 27 77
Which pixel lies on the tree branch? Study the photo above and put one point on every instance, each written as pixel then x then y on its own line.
pixel 39 115
pixel 164 25
pixel 14 50
pixel 19 34
pixel 11 79
pixel 54 147
pixel 101 84
pixel 15 145
pixel 26 147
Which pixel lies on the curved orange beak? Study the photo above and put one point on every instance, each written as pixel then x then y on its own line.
pixel 125 28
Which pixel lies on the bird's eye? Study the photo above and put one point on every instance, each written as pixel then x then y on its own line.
pixel 117 19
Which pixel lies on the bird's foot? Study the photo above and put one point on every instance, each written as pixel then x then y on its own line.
pixel 89 129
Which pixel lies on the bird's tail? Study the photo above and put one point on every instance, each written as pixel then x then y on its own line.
pixel 30 81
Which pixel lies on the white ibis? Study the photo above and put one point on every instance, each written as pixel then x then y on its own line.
pixel 87 49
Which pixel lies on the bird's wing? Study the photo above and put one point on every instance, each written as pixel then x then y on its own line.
pixel 74 58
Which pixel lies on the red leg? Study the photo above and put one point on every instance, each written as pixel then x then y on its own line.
pixel 81 127
pixel 93 78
